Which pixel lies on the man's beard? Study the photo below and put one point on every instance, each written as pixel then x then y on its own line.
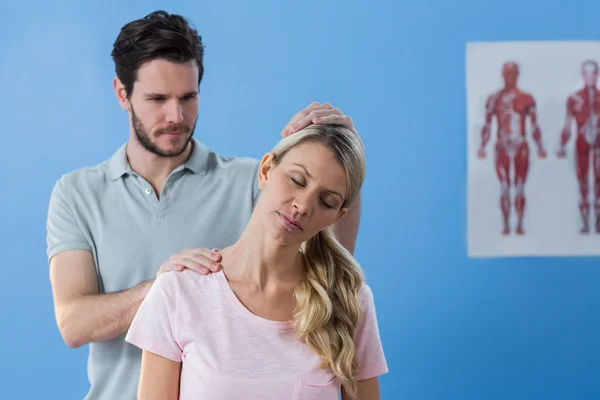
pixel 145 139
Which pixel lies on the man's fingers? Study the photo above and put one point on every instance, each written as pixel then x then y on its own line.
pixel 198 268
pixel 344 120
pixel 188 263
pixel 200 260
pixel 324 115
pixel 213 254
pixel 196 261
pixel 167 267
pixel 314 106
pixel 334 119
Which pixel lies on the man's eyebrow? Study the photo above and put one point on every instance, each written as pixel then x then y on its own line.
pixel 154 95
pixel 161 95
pixel 310 176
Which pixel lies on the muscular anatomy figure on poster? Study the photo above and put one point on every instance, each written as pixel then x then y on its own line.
pixel 583 108
pixel 511 106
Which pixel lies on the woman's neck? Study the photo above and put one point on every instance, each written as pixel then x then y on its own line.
pixel 258 258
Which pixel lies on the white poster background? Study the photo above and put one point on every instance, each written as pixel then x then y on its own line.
pixel 550 72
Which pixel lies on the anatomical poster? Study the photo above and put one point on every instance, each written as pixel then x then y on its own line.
pixel 533 149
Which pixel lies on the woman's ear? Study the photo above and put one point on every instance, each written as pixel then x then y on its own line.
pixel 266 165
pixel 340 215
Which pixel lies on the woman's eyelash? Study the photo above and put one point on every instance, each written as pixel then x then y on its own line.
pixel 322 201
pixel 326 205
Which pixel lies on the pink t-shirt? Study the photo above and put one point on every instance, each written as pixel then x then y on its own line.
pixel 229 353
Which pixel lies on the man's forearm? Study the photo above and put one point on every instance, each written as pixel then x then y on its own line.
pixel 101 317
pixel 346 229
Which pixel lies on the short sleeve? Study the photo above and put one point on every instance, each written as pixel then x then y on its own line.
pixel 369 349
pixel 154 326
pixel 63 231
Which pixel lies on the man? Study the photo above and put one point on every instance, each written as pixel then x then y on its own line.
pixel 511 107
pixel 583 107
pixel 111 226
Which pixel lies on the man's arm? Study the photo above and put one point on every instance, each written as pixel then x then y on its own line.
pixel 346 228
pixel 82 314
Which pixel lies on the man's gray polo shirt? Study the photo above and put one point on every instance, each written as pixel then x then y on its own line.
pixel 113 212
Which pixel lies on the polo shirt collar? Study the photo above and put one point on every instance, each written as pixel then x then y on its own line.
pixel 198 160
pixel 118 165
pixel 196 163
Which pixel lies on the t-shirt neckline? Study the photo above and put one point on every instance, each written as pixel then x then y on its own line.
pixel 237 304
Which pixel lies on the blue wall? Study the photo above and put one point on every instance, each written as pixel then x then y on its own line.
pixel 453 328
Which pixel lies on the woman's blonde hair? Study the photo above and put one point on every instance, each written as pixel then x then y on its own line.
pixel 327 302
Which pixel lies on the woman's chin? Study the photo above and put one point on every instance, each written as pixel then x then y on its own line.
pixel 285 238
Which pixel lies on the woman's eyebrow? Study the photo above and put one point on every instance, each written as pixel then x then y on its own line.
pixel 310 176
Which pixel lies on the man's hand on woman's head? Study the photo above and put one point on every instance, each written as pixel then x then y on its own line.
pixel 317 113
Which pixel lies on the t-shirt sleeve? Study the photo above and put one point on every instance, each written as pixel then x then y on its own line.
pixel 154 327
pixel 369 349
pixel 63 230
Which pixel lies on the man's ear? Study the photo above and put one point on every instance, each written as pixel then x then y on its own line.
pixel 121 93
pixel 266 165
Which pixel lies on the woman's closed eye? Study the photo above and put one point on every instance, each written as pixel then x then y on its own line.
pixel 323 202
pixel 327 205
pixel 297 182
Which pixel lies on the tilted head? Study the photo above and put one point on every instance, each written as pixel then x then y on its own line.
pixel 589 72
pixel 159 66
pixel 308 181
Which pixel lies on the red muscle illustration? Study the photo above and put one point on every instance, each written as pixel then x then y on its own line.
pixel 583 108
pixel 511 106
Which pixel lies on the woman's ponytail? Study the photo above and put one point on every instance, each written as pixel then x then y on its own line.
pixel 328 306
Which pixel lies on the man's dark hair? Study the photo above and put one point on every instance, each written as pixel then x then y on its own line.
pixel 159 35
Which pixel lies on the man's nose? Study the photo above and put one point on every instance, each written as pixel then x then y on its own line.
pixel 174 112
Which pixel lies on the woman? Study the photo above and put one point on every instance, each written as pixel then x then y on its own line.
pixel 280 320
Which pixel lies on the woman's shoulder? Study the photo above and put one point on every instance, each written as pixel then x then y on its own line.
pixel 186 282
pixel 365 294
